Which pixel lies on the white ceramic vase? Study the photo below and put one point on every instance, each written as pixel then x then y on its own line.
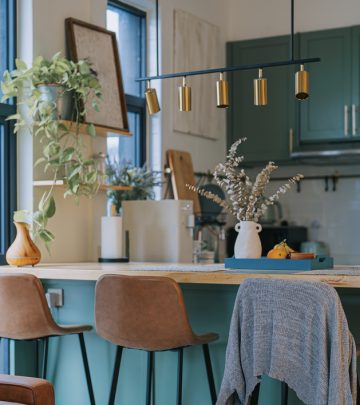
pixel 248 244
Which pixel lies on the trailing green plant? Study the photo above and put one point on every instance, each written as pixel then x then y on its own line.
pixel 141 180
pixel 63 151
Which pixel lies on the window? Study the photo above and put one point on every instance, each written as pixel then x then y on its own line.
pixel 7 138
pixel 129 24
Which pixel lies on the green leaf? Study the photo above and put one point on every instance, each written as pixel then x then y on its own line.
pixel 42 202
pixel 23 216
pixel 20 64
pixel 50 208
pixel 38 161
pixel 67 154
pixel 90 129
pixel 76 171
pixel 46 236
pixel 95 105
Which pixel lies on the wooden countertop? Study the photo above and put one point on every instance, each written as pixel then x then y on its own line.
pixel 182 273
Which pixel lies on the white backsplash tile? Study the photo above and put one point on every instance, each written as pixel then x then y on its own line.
pixel 337 213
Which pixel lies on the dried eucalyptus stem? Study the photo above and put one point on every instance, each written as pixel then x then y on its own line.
pixel 247 199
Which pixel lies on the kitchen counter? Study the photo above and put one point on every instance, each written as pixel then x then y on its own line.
pixel 186 273
pixel 209 293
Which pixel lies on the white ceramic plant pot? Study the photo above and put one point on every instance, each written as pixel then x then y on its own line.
pixel 248 244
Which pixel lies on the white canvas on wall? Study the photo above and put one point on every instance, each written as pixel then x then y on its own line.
pixel 196 47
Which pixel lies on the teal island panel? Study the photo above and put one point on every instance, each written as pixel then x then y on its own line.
pixel 209 307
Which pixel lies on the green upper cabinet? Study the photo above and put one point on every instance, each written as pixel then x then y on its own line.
pixel 355 106
pixel 326 114
pixel 267 128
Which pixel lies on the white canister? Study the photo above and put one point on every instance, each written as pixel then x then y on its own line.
pixel 111 238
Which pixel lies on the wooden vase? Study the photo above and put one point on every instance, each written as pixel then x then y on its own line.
pixel 23 251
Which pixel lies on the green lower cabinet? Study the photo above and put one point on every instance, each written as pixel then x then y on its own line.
pixel 326 114
pixel 267 128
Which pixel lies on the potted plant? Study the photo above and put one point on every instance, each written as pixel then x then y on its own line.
pixel 43 91
pixel 247 199
pixel 139 180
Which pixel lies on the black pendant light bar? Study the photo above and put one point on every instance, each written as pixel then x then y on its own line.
pixel 230 69
pixel 301 78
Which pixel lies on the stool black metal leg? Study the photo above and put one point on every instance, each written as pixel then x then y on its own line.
pixel 358 391
pixel 115 375
pixel 45 356
pixel 37 371
pixel 209 373
pixel 180 372
pixel 284 393
pixel 150 361
pixel 86 368
pixel 254 400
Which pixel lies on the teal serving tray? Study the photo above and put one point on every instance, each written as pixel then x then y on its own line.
pixel 263 263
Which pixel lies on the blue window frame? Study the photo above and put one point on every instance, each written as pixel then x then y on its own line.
pixel 129 24
pixel 7 137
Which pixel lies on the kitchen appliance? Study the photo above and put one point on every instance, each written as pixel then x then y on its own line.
pixel 270 236
pixel 159 231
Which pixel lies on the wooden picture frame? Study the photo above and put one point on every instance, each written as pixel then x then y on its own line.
pixel 99 46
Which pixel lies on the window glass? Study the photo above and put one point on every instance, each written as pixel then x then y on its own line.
pixel 123 148
pixel 129 24
pixel 129 29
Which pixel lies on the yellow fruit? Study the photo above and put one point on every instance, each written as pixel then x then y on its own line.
pixel 285 246
pixel 277 253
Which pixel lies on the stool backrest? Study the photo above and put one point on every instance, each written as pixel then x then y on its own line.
pixel 141 312
pixel 24 313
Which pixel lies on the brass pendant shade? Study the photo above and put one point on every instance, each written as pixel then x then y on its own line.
pixel 302 84
pixel 184 93
pixel 260 90
pixel 152 101
pixel 222 92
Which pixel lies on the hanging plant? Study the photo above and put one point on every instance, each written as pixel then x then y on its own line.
pixel 43 91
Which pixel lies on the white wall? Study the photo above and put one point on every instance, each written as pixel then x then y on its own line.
pixel 42 32
pixel 205 153
pixel 258 18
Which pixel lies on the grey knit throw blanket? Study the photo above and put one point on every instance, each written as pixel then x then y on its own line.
pixel 293 331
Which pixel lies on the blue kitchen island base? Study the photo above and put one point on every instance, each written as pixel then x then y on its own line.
pixel 209 307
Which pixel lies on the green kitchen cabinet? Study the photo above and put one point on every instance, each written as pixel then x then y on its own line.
pixel 326 115
pixel 355 107
pixel 266 128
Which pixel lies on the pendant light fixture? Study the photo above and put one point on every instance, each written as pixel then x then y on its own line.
pixel 184 98
pixel 260 90
pixel 302 84
pixel 152 101
pixel 260 84
pixel 222 92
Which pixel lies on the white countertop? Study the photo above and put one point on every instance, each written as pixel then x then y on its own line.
pixel 181 272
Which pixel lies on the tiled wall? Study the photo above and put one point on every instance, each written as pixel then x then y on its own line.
pixel 331 216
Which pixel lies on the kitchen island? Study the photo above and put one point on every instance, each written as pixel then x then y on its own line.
pixel 209 293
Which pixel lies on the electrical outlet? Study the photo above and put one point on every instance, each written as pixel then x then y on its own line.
pixel 55 297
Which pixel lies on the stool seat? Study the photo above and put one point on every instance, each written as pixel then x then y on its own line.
pixel 25 315
pixel 16 390
pixel 147 313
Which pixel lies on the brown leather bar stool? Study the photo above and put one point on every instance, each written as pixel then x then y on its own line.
pixel 25 315
pixel 147 313
pixel 15 390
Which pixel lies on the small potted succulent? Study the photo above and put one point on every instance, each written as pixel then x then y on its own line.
pixel 43 92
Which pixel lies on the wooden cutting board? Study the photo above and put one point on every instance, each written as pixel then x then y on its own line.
pixel 182 173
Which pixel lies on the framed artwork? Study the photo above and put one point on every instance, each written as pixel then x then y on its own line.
pixel 99 46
